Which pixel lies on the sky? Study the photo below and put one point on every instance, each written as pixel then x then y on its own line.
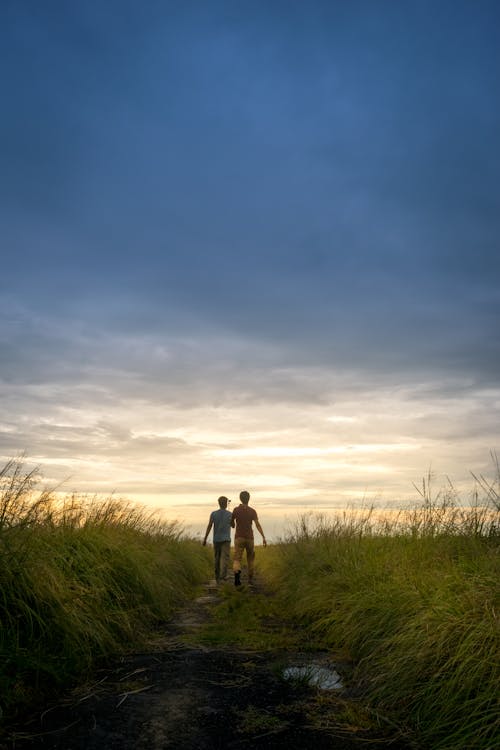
pixel 250 245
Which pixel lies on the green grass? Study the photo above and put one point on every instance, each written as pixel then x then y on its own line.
pixel 415 602
pixel 251 621
pixel 81 580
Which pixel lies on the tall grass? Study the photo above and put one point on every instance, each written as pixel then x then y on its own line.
pixel 80 579
pixel 414 599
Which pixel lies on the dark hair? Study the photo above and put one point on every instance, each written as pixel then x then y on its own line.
pixel 223 501
pixel 244 496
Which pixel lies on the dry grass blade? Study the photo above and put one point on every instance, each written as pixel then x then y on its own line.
pixel 132 692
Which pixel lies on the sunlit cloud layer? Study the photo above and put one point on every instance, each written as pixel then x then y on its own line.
pixel 304 438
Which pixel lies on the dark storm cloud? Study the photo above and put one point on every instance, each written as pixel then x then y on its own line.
pixel 321 178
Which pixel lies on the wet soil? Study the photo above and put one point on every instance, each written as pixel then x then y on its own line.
pixel 189 697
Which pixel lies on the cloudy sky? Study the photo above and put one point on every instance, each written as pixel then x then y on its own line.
pixel 250 245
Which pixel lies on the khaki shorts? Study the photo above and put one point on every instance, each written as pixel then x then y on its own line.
pixel 241 545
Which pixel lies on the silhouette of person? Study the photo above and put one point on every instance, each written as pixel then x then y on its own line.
pixel 221 522
pixel 243 518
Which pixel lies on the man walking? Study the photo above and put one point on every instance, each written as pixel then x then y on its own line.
pixel 221 522
pixel 243 518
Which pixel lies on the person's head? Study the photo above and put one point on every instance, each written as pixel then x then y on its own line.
pixel 223 501
pixel 244 497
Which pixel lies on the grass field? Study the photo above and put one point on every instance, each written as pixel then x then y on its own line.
pixel 412 599
pixel 80 580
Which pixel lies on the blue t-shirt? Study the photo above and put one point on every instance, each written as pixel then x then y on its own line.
pixel 221 520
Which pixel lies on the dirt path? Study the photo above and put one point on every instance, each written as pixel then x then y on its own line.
pixel 186 695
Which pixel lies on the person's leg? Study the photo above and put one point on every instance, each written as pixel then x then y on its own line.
pixel 224 560
pixel 239 546
pixel 217 559
pixel 250 559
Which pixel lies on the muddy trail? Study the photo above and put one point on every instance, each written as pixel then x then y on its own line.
pixel 195 690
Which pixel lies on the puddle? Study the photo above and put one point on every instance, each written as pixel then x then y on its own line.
pixel 313 674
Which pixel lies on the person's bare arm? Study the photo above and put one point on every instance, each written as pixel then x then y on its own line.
pixel 259 529
pixel 207 532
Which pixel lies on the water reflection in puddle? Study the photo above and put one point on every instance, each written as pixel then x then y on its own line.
pixel 313 674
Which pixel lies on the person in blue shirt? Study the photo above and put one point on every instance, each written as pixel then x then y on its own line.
pixel 221 522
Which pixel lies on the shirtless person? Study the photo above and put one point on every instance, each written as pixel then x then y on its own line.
pixel 243 517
